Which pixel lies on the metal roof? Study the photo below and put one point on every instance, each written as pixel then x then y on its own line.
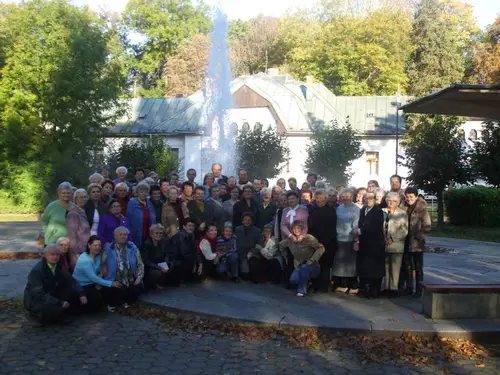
pixel 481 101
pixel 301 108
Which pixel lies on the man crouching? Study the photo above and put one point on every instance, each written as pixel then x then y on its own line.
pixel 52 294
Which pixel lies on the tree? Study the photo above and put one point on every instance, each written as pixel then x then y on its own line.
pixel 442 34
pixel 164 24
pixel 486 154
pixel 154 156
pixel 331 151
pixel 435 155
pixel 59 91
pixel 261 152
pixel 487 56
pixel 186 70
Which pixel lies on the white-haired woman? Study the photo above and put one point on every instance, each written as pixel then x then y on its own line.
pixel 121 175
pixel 122 262
pixel 395 231
pixel 78 226
pixel 54 216
pixel 96 178
pixel 121 195
pixel 267 209
pixel 344 264
pixel 95 208
pixel 141 214
pixel 62 244
pixel 380 197
pixel 153 253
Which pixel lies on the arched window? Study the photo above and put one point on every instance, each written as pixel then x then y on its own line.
pixel 485 135
pixel 246 127
pixel 473 135
pixel 258 127
pixel 233 129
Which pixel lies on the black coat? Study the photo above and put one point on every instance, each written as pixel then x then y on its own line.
pixel 241 207
pixel 152 255
pixel 266 215
pixel 322 224
pixel 196 214
pixel 46 291
pixel 371 257
pixel 89 208
pixel 182 248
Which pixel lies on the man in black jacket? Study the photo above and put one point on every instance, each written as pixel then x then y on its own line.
pixel 52 294
pixel 322 224
pixel 183 254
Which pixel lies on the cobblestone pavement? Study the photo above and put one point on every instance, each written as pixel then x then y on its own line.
pixel 111 344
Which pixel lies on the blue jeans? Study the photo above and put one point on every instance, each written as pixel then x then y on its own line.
pixel 229 264
pixel 302 275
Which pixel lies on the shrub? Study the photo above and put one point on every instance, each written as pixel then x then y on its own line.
pixel 476 206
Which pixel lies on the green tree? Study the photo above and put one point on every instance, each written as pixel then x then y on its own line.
pixel 133 153
pixel 486 154
pixel 59 91
pixel 164 24
pixel 487 56
pixel 331 151
pixel 442 34
pixel 435 155
pixel 262 152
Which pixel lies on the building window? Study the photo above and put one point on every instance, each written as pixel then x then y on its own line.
pixel 246 127
pixel 372 161
pixel 233 129
pixel 473 135
pixel 175 153
pixel 258 127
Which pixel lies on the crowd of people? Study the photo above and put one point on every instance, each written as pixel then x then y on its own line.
pixel 108 243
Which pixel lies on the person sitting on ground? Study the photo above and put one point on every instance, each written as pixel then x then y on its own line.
pixel 306 252
pixel 183 254
pixel 78 226
pixel 226 247
pixel 214 210
pixel 122 262
pixel 247 237
pixel 207 247
pixel 267 264
pixel 110 222
pixel 87 273
pixel 62 244
pixel 54 216
pixel 51 294
pixel 154 252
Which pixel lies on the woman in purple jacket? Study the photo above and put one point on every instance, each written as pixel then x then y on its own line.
pixel 110 222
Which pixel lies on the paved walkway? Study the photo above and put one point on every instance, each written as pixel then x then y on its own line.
pixel 469 262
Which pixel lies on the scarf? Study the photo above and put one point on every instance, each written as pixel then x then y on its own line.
pixel 178 211
pixel 122 261
pixel 212 242
pixel 292 213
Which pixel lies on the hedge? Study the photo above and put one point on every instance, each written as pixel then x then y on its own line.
pixel 475 206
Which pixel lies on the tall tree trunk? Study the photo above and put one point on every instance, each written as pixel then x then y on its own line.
pixel 440 213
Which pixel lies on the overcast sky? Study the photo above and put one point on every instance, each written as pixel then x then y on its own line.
pixel 485 10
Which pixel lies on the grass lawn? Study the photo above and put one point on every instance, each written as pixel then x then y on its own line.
pixel 17 217
pixel 467 233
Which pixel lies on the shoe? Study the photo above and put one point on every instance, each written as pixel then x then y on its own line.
pixel 417 294
pixel 407 292
pixel 125 305
pixel 236 280
pixel 340 290
pixel 353 292
pixel 111 309
pixel 300 294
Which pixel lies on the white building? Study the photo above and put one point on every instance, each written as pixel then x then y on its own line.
pixel 279 101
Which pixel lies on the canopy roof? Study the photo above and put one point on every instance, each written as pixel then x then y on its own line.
pixel 481 101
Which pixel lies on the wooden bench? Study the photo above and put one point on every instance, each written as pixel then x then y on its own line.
pixel 461 301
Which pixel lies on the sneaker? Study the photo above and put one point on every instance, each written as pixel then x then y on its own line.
pixel 300 294
pixel 111 309
pixel 125 305
pixel 340 290
pixel 353 292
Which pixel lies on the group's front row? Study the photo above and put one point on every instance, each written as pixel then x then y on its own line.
pixel 117 275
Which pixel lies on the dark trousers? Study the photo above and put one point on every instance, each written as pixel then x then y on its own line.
pixel 414 263
pixel 373 285
pixel 322 283
pixel 53 313
pixel 118 296
pixel 289 267
pixel 209 269
pixel 263 270
pixel 95 299
pixel 345 282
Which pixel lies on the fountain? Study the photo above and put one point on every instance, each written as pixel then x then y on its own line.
pixel 218 140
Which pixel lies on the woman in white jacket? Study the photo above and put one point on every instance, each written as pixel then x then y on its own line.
pixel 270 263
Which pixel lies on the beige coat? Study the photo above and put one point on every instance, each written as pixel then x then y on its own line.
pixel 170 220
pixel 420 225
pixel 396 229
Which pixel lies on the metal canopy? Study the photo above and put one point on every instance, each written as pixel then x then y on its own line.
pixel 482 101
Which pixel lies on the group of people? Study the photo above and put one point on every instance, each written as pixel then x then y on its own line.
pixel 107 244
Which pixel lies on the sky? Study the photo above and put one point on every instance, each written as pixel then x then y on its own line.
pixel 485 10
